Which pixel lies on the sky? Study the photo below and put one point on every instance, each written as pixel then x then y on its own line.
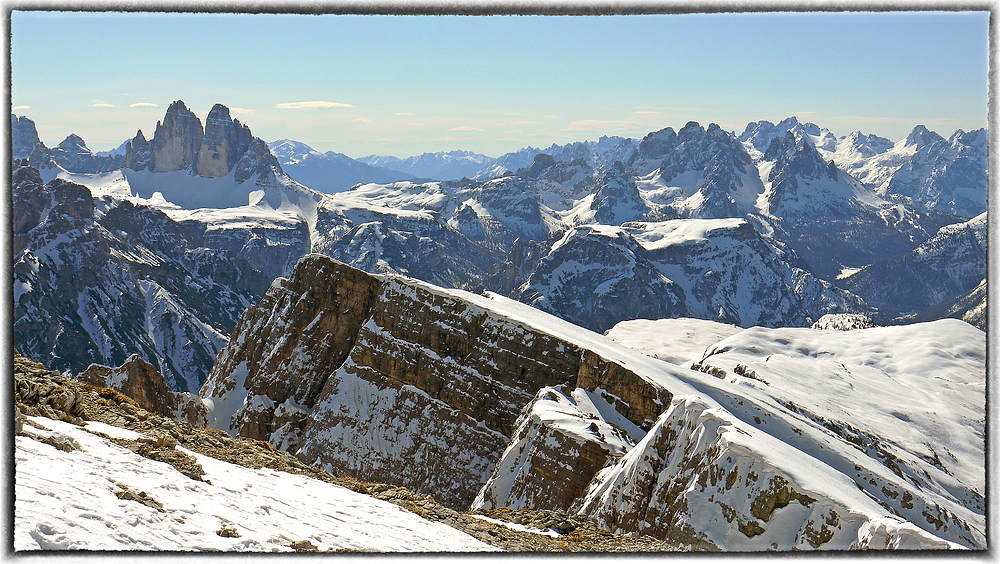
pixel 404 85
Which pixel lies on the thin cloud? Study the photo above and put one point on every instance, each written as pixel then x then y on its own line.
pixel 21 108
pixel 405 114
pixel 312 105
pixel 465 128
pixel 361 120
pixel 672 108
pixel 528 122
pixel 592 124
pixel 236 110
pixel 144 105
pixel 646 112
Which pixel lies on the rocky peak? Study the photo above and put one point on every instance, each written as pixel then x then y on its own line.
pixel 921 137
pixel 75 143
pixel 541 162
pixel 23 135
pixel 224 143
pixel 177 139
pixel 41 157
pixel 657 144
pixel 796 156
pixel 142 382
pixel 868 145
pixel 617 199
pixel 138 153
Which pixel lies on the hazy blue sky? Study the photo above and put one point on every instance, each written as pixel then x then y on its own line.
pixel 404 85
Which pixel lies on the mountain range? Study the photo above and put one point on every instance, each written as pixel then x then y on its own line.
pixel 435 322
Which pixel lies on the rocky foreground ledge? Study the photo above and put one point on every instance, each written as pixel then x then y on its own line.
pixel 61 419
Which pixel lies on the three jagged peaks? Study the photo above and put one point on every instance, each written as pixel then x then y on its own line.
pixel 181 143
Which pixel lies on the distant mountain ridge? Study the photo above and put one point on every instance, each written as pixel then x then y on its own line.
pixel 690 223
pixel 444 165
pixel 329 172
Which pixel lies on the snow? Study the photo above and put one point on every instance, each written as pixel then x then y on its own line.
pixel 660 235
pixel 519 527
pixel 679 341
pixel 67 501
pixel 847 272
pixel 930 376
pixel 822 463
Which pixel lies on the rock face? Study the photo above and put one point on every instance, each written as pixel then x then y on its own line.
pixel 563 436
pixel 721 270
pixel 23 136
pixel 358 366
pixel 97 280
pixel 366 375
pixel 138 153
pixel 142 382
pixel 225 141
pixel 830 217
pixel 939 270
pixel 177 140
pixel 484 400
pixel 843 322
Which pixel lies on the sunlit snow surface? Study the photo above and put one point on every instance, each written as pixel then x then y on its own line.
pixel 66 500
pixel 679 341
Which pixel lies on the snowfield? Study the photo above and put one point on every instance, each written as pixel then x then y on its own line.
pixel 67 501
pixel 678 341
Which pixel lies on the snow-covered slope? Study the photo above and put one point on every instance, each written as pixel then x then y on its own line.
pixel 69 501
pixel 596 154
pixel 679 341
pixel 328 172
pixel 716 269
pixel 443 165
pixel 941 269
pixel 98 279
pixel 738 462
pixel 704 458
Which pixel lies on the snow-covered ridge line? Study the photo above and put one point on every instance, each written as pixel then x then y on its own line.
pixel 770 440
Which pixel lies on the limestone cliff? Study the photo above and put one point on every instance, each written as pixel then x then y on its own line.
pixel 225 141
pixel 177 139
pixel 142 382
pixel 388 378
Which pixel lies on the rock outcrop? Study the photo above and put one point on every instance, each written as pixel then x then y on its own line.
pixel 97 280
pixel 224 143
pixel 843 322
pixel 138 153
pixel 391 379
pixel 23 136
pixel 366 375
pixel 176 140
pixel 142 382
